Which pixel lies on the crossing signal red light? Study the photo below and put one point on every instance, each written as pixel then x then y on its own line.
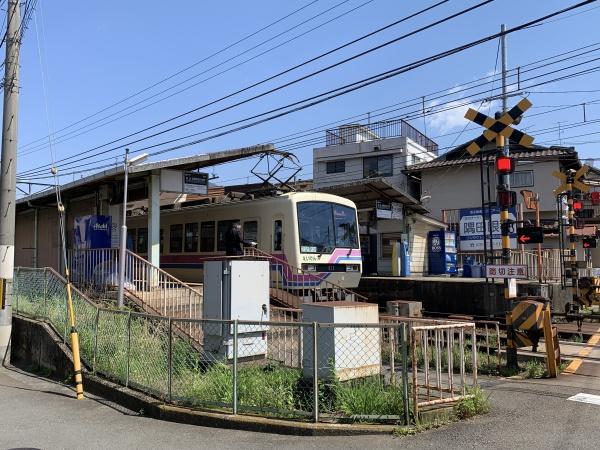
pixel 577 205
pixel 530 235
pixel 589 242
pixel 507 199
pixel 505 165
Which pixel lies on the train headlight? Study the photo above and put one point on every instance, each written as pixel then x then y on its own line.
pixel 310 267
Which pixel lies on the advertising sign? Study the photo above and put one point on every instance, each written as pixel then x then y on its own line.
pixel 92 232
pixel 388 210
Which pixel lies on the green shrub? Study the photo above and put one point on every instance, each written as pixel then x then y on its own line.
pixel 476 404
pixel 535 369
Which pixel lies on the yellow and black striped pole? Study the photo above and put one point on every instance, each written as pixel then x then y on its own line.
pixel 74 341
pixel 572 242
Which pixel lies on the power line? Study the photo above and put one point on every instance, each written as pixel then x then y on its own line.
pixel 272 90
pixel 365 82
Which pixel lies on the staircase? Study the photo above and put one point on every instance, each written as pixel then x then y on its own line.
pixel 292 286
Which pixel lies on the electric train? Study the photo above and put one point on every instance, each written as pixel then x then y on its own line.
pixel 313 231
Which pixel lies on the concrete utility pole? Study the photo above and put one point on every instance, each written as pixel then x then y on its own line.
pixel 8 170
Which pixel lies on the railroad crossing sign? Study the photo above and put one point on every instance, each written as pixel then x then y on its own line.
pixel 576 180
pixel 501 126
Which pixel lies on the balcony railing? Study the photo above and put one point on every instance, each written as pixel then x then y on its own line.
pixel 347 134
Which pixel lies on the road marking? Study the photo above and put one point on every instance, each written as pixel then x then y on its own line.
pixel 585 351
pixel 586 398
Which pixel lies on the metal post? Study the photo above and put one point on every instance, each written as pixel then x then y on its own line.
pixel 170 363
pixel 123 247
pixel 404 350
pixel 95 340
pixel 128 354
pixel 8 166
pixel 315 373
pixel 235 367
pixel 392 334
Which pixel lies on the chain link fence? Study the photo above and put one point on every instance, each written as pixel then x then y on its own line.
pixel 281 368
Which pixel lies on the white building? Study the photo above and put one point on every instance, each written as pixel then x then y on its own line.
pixel 366 164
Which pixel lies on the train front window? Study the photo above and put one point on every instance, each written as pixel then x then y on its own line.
pixel 325 226
pixel 346 235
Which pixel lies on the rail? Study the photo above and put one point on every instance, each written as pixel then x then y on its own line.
pixel 294 286
pixel 437 352
pixel 156 290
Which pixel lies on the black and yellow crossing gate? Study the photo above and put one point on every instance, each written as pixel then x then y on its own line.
pixel 526 323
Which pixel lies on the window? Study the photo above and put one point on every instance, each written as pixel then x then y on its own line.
pixel 388 240
pixel 222 227
pixel 176 238
pixel 162 239
pixel 336 166
pixel 277 235
pixel 142 240
pixel 521 178
pixel 207 237
pixel 191 237
pixel 250 231
pixel 131 234
pixel 377 166
pixel 325 226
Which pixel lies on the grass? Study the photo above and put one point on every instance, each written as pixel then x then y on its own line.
pixel 476 404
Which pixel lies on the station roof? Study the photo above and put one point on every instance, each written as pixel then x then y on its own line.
pixel 367 191
pixel 200 161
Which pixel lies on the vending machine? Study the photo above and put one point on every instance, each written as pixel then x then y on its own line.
pixel 442 252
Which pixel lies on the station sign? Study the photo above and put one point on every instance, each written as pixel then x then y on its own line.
pixel 516 271
pixel 388 210
pixel 182 182
pixel 471 229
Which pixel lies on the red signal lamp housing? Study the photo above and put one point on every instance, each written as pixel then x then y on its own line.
pixel 577 205
pixel 505 165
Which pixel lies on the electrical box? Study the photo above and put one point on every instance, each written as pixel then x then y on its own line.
pixel 406 308
pixel 342 352
pixel 235 289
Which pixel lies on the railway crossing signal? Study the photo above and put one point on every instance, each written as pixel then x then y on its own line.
pixel 589 242
pixel 530 235
pixel 501 126
pixel 574 179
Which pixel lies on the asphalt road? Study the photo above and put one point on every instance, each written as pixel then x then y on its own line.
pixel 36 413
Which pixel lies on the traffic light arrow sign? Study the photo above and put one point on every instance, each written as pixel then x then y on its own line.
pixel 524 239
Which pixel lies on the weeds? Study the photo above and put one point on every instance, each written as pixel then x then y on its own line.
pixel 477 403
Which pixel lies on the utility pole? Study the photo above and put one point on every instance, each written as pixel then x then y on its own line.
pixel 502 145
pixel 8 166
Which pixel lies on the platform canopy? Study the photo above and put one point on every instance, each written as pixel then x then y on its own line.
pixel 109 176
pixel 366 192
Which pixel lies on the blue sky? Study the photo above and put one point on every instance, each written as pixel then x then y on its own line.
pixel 97 53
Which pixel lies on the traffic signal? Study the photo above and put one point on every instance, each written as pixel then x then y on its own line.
pixel 584 213
pixel 505 165
pixel 577 205
pixel 579 224
pixel 507 199
pixel 589 242
pixel 530 235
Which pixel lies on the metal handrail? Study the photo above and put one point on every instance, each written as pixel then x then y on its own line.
pixel 317 291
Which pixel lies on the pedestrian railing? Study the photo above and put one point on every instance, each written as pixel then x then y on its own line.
pixel 293 286
pixel 155 290
pixel 441 356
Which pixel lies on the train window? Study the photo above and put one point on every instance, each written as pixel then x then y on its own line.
pixel 191 237
pixel 324 226
pixel 222 227
pixel 250 231
pixel 346 234
pixel 176 238
pixel 277 235
pixel 207 237
pixel 142 240
pixel 131 233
